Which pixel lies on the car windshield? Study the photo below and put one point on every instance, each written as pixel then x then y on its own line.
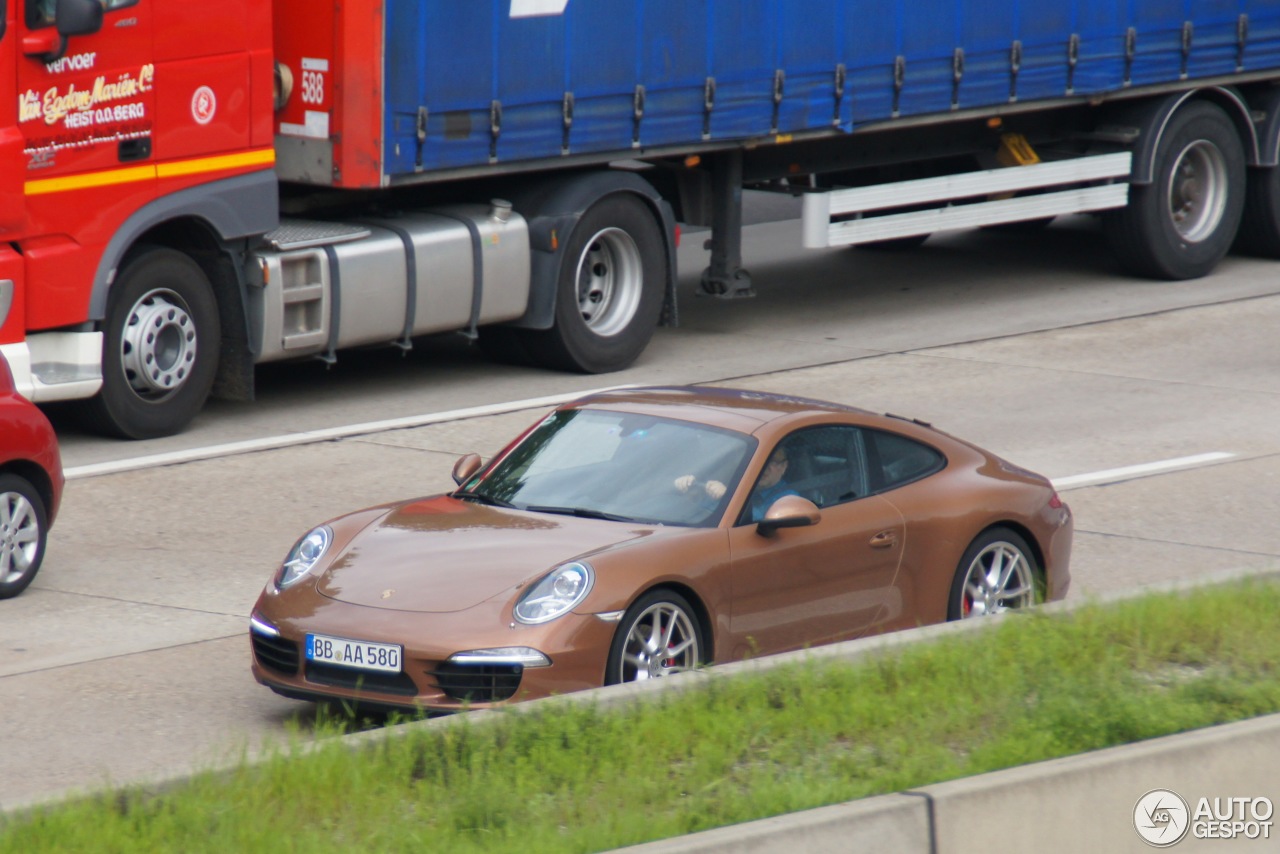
pixel 620 466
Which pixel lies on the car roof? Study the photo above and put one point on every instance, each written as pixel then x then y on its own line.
pixel 730 408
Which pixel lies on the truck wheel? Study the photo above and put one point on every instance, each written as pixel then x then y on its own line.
pixel 1260 227
pixel 609 292
pixel 160 351
pixel 1182 224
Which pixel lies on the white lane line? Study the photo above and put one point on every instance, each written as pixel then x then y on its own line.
pixel 1130 472
pixel 268 443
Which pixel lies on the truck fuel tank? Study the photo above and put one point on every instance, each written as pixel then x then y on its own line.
pixel 330 285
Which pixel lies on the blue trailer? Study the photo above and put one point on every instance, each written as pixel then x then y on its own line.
pixel 516 169
pixel 892 119
pixel 495 81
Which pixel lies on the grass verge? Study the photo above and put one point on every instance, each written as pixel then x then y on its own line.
pixel 580 778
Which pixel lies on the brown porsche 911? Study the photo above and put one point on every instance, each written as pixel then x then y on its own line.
pixel 635 534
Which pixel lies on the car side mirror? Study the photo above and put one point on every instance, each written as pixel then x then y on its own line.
pixel 789 511
pixel 466 466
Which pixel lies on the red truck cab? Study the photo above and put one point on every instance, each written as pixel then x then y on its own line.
pixel 130 116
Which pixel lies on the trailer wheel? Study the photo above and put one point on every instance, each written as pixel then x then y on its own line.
pixel 1182 224
pixel 160 350
pixel 1260 227
pixel 609 292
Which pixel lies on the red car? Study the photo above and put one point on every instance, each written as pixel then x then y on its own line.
pixel 30 486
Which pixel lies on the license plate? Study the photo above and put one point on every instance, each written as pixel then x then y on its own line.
pixel 360 655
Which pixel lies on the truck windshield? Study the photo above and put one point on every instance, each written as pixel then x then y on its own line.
pixel 621 466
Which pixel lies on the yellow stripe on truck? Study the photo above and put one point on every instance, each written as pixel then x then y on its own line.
pixel 92 179
pixel 261 157
pixel 106 178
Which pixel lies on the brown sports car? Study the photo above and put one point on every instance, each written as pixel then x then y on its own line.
pixel 634 534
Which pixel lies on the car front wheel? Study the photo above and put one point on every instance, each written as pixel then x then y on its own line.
pixel 997 573
pixel 658 636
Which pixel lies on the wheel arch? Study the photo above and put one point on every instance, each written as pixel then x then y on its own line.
pixel 1267 102
pixel 1037 551
pixel 553 209
pixel 212 225
pixel 39 479
pixel 224 211
pixel 1152 117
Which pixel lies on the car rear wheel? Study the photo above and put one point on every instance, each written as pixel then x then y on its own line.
pixel 659 635
pixel 997 573
pixel 23 529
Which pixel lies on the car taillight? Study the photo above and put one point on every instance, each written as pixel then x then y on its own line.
pixel 1055 502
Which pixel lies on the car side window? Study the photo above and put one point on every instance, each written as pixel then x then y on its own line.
pixel 827 465
pixel 897 460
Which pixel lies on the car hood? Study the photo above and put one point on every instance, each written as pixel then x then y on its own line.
pixel 442 554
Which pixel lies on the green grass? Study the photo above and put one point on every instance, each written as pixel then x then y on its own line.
pixel 575 777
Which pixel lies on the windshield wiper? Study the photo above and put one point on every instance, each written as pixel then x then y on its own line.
pixel 482 498
pixel 581 512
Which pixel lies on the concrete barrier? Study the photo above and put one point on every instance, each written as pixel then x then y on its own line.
pixel 1082 803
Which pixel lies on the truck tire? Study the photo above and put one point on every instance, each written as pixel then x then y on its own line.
pixel 1183 223
pixel 1260 227
pixel 160 348
pixel 609 291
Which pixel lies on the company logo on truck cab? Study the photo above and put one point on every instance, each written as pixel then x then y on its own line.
pixel 57 106
pixel 537 8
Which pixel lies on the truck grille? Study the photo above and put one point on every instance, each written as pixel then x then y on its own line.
pixel 479 683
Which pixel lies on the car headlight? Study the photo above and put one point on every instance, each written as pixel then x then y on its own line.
pixel 558 593
pixel 305 554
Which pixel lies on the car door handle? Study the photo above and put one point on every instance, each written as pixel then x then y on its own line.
pixel 884 539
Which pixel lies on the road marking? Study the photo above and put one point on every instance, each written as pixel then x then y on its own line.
pixel 308 437
pixel 1130 472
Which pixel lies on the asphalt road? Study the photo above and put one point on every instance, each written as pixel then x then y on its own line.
pixel 128 657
